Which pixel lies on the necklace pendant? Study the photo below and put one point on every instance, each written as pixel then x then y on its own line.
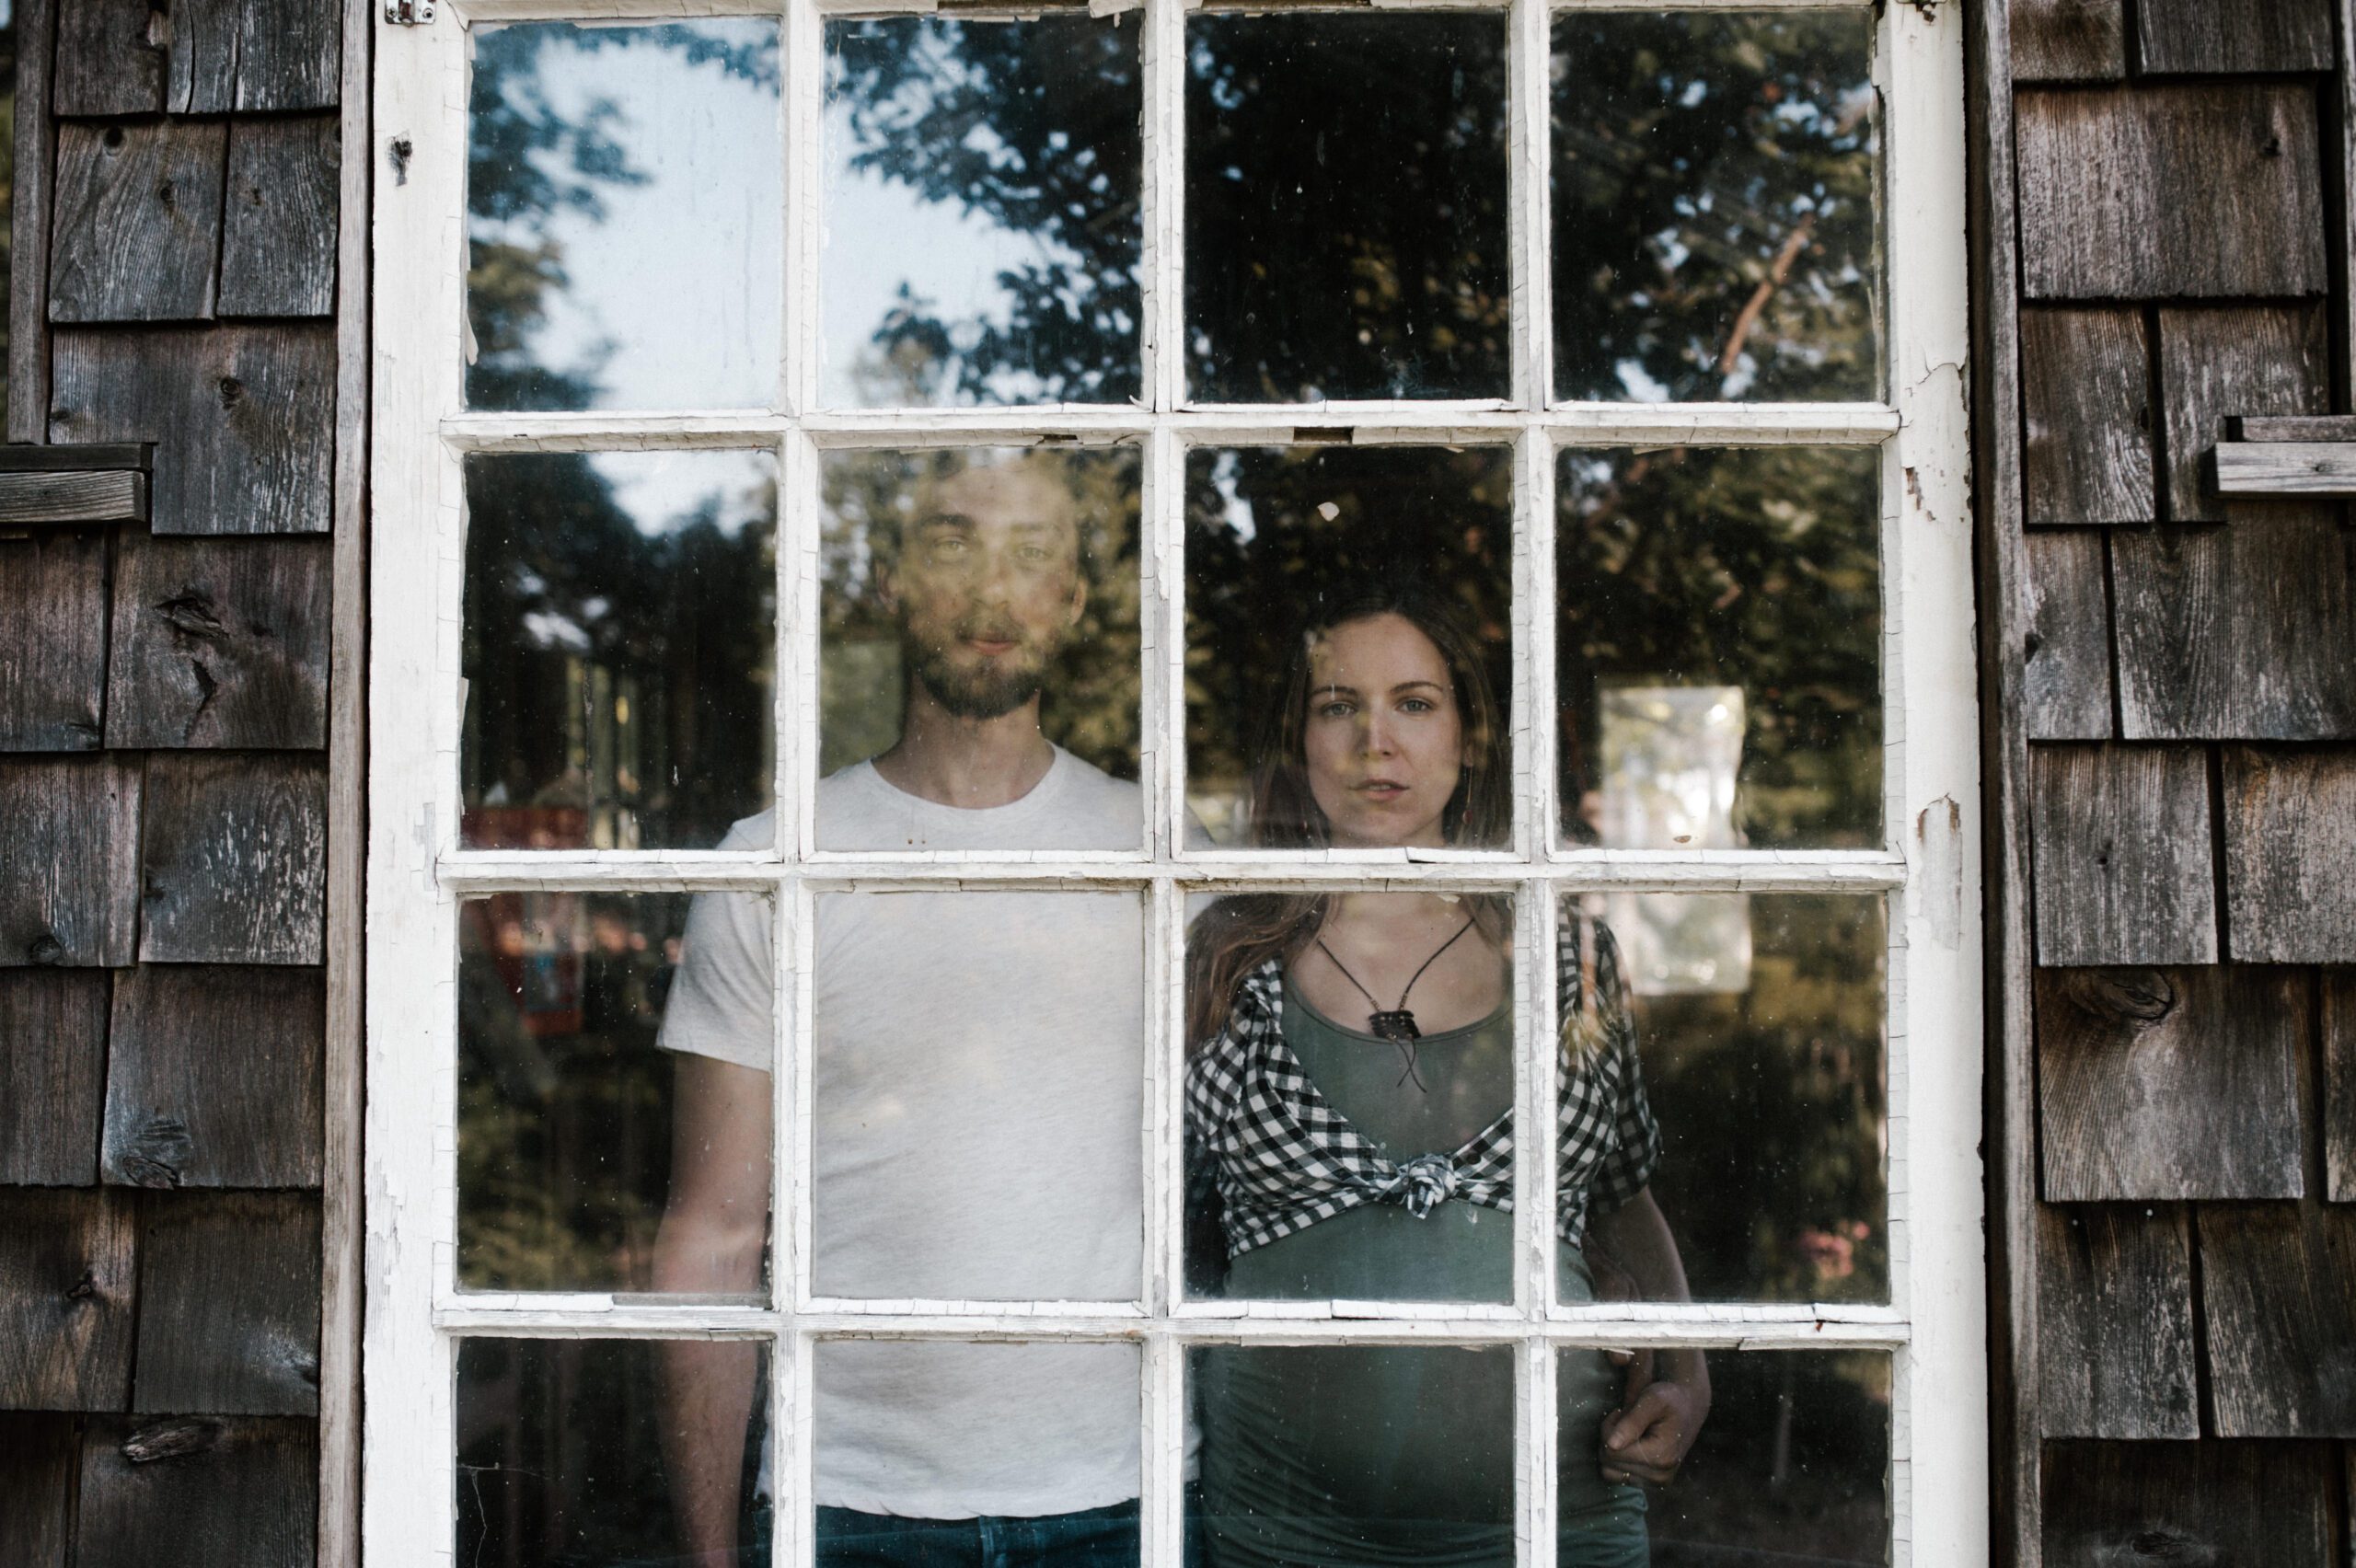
pixel 1398 1024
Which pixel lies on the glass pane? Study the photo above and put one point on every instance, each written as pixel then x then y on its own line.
pixel 1717 207
pixel 612 1453
pixel 1720 652
pixel 1396 563
pixel 1349 1097
pixel 624 215
pixel 1790 1466
pixel 979 652
pixel 989 1454
pixel 620 614
pixel 983 235
pixel 613 1093
pixel 1364 1453
pixel 1345 207
pixel 1727 1079
pixel 978 1064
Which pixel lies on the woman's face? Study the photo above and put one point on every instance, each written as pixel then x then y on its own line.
pixel 1384 744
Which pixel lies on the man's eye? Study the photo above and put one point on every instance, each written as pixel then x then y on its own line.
pixel 1031 553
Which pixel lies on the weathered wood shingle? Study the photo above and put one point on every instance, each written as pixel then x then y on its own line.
pixel 2121 839
pixel 137 234
pixel 2185 37
pixel 254 54
pixel 69 861
pixel 2180 1083
pixel 234 858
pixel 219 643
pixel 235 414
pixel 2233 360
pixel 2291 855
pixel 2069 40
pixel 111 56
pixel 198 1492
pixel 2087 386
pixel 2116 1351
pixel 68 1269
pixel 229 1304
pixel 2198 191
pixel 2340 1085
pixel 278 239
pixel 52 639
pixel 39 1451
pixel 2178 1504
pixel 52 1074
pixel 214 1077
pixel 2066 671
pixel 2280 1317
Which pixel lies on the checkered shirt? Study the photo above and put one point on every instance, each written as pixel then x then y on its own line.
pixel 1280 1159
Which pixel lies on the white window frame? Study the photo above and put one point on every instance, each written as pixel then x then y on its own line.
pixel 1929 865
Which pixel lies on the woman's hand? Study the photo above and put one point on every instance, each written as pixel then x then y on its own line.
pixel 1647 1438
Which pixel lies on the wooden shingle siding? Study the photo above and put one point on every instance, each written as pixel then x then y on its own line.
pixel 2228 361
pixel 2196 191
pixel 52 1074
pixel 243 55
pixel 229 1304
pixel 112 57
pixel 2181 37
pixel 234 858
pixel 2121 843
pixel 2291 855
pixel 38 1454
pixel 2117 1359
pixel 69 1268
pixel 2179 1083
pixel 214 1077
pixel 69 861
pixel 135 233
pixel 2068 657
pixel 2340 1085
pixel 203 1492
pixel 235 414
pixel 2069 40
pixel 2086 377
pixel 2178 1504
pixel 52 639
pixel 2275 1290
pixel 219 643
pixel 278 239
pixel 2239 630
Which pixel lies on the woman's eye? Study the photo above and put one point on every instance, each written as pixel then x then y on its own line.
pixel 1418 705
pixel 1336 710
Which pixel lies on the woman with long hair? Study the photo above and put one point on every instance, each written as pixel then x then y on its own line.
pixel 1349 1097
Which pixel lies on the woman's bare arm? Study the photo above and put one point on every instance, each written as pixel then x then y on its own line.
pixel 1669 1391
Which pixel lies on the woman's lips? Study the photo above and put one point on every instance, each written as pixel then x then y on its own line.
pixel 1381 789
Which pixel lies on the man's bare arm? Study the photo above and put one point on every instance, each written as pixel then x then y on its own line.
pixel 713 1229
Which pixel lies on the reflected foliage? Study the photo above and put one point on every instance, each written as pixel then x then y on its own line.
pixel 1716 212
pixel 1758 568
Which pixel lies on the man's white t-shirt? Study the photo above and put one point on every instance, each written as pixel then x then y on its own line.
pixel 977 1063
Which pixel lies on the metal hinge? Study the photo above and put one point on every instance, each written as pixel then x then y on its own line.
pixel 408 13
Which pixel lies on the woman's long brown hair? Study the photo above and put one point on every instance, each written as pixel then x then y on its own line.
pixel 1237 935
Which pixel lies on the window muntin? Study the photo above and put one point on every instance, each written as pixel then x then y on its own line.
pixel 1930 1336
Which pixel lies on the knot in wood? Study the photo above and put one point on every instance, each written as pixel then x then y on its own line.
pixel 84 1289
pixel 2117 995
pixel 190 612
pixel 45 950
pixel 157 1153
pixel 171 1440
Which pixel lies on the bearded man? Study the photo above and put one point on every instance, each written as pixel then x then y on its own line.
pixel 977 1065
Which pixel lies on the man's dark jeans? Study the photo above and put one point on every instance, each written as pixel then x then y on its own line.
pixel 1093 1537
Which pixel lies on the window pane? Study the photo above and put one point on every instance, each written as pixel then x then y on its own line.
pixel 623 213
pixel 1363 1453
pixel 983 237
pixel 1716 206
pixel 580 1451
pixel 621 611
pixel 983 596
pixel 1751 1029
pixel 944 1453
pixel 980 1060
pixel 1377 556
pixel 612 1066
pixel 1720 654
pixel 1790 1468
pixel 1345 207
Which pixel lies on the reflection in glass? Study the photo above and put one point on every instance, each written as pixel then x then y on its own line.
pixel 978 1061
pixel 1791 1466
pixel 1367 1453
pixel 1279 541
pixel 923 550
pixel 572 1451
pixel 1758 1018
pixel 620 617
pixel 946 1453
pixel 623 215
pixel 1720 653
pixel 566 1103
pixel 1716 217
pixel 982 236
pixel 1345 207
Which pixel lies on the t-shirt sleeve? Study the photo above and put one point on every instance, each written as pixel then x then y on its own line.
pixel 1635 1145
pixel 722 998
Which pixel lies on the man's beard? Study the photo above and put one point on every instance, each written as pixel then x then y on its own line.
pixel 992 691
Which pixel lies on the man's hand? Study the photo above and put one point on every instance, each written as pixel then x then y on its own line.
pixel 1647 1438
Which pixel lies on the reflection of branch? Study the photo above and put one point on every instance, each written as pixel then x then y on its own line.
pixel 1782 268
